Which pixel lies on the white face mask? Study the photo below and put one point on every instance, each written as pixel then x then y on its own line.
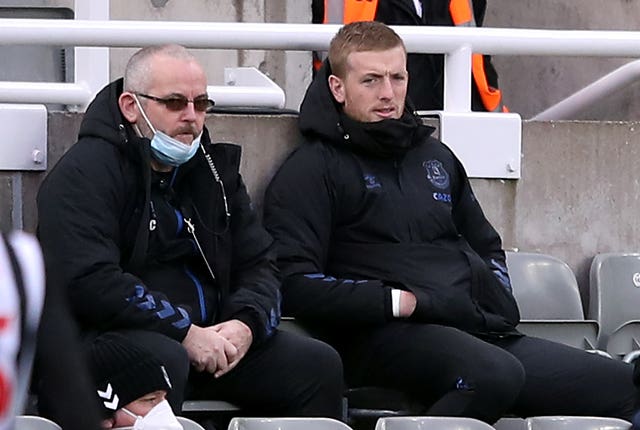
pixel 160 417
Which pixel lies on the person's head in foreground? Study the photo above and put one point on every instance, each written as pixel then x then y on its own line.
pixel 131 385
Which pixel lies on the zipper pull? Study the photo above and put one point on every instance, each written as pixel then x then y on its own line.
pixel 190 228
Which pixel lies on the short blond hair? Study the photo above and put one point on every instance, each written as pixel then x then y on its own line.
pixel 357 37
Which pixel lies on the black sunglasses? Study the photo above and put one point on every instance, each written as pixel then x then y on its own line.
pixel 179 102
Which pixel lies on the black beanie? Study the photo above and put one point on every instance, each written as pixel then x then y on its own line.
pixel 123 372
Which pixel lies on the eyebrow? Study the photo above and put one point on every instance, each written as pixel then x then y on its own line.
pixel 182 95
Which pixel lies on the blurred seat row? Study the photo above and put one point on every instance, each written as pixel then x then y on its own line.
pixel 393 423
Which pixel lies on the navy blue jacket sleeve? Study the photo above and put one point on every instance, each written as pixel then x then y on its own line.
pixel 477 230
pixel 300 216
pixel 255 286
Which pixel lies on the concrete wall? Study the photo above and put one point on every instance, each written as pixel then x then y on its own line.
pixel 578 195
pixel 532 84
pixel 290 70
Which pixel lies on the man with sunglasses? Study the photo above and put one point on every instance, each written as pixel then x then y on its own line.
pixel 148 225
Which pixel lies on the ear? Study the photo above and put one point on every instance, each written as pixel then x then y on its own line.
pixel 129 107
pixel 337 88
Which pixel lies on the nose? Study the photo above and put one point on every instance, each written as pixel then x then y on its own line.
pixel 386 89
pixel 189 113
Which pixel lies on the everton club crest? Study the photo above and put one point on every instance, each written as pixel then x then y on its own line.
pixel 436 174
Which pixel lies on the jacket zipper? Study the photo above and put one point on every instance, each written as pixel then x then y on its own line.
pixel 192 230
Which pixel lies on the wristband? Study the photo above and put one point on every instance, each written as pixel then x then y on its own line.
pixel 395 303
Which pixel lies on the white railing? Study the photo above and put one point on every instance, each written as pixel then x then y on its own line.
pixel 457 43
pixel 586 97
pixel 489 145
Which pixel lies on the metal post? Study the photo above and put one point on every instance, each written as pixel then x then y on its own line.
pixel 91 67
pixel 457 80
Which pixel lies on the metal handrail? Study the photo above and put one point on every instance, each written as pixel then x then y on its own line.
pixel 592 93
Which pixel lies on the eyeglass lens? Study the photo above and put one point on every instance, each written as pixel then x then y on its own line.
pixel 177 103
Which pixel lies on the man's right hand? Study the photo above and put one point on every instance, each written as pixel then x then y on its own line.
pixel 207 349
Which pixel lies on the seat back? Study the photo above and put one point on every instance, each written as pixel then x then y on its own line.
pixel 549 300
pixel 240 423
pixel 577 423
pixel 544 287
pixel 511 423
pixel 30 422
pixel 431 423
pixel 614 287
pixel 188 424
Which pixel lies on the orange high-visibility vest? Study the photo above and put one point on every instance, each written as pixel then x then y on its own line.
pixel 345 12
pixel 462 14
pixel 461 11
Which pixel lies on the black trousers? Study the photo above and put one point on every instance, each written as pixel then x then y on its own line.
pixel 288 375
pixel 453 373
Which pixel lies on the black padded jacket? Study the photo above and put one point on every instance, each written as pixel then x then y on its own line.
pixel 359 209
pixel 95 210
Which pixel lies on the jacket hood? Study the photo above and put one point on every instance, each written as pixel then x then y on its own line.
pixel 321 117
pixel 103 118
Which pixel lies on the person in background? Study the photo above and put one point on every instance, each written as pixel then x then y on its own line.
pixel 387 255
pixel 426 71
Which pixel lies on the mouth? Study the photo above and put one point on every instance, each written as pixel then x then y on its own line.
pixel 186 138
pixel 385 112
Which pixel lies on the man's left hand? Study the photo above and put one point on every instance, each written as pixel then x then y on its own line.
pixel 239 334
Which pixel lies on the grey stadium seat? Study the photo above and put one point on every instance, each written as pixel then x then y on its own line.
pixel 286 424
pixel 577 423
pixel 30 422
pixel 614 287
pixel 431 423
pixel 188 424
pixel 549 300
pixel 510 423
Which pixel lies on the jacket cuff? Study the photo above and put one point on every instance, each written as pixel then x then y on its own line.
pixel 388 307
pixel 423 311
pixel 258 331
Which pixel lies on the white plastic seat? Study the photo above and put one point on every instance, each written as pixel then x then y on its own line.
pixel 286 424
pixel 577 423
pixel 614 287
pixel 431 423
pixel 30 422
pixel 510 423
pixel 549 300
pixel 188 424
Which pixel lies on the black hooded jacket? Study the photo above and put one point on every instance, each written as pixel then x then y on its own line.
pixel 361 208
pixel 113 234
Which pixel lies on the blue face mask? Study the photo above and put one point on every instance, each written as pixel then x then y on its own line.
pixel 172 152
pixel 165 148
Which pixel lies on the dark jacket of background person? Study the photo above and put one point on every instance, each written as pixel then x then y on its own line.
pixel 61 377
pixel 382 206
pixel 96 225
pixel 426 71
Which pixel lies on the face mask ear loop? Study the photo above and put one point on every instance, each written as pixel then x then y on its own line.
pixel 144 115
pixel 131 414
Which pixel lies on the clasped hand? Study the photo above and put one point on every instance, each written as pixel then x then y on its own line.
pixel 219 348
